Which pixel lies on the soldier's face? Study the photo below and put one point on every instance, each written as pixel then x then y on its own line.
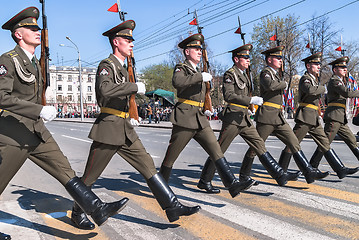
pixel 340 71
pixel 242 62
pixel 123 45
pixel 275 62
pixel 313 68
pixel 194 54
pixel 28 36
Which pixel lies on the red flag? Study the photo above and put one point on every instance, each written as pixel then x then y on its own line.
pixel 273 38
pixel 193 22
pixel 114 8
pixel 308 45
pixel 338 48
pixel 238 31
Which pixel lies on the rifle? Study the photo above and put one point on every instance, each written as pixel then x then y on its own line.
pixel 207 100
pixel 45 55
pixel 248 70
pixel 133 112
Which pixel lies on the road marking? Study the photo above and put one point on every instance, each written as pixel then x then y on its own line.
pixel 75 138
pixel 198 224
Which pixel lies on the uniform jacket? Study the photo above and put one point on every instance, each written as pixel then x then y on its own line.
pixel 337 93
pixel 113 90
pixel 309 92
pixel 236 89
pixel 189 85
pixel 271 90
pixel 21 87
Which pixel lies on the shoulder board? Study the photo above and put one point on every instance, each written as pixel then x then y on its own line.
pixel 12 53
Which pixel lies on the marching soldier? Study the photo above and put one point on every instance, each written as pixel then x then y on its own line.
pixel 113 133
pixel 23 133
pixel 189 120
pixel 237 91
pixel 270 119
pixel 307 117
pixel 335 118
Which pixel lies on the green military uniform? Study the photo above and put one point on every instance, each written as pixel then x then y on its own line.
pixel 270 119
pixel 335 114
pixel 112 131
pixel 23 133
pixel 335 119
pixel 237 90
pixel 269 116
pixel 336 122
pixel 189 121
pixel 307 117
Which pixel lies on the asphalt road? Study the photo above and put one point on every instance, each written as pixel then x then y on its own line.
pixel 36 206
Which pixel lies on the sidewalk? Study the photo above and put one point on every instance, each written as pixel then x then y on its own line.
pixel 215 124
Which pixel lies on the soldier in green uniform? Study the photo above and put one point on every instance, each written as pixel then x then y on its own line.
pixel 335 117
pixel 270 119
pixel 307 117
pixel 23 133
pixel 188 119
pixel 237 92
pixel 113 133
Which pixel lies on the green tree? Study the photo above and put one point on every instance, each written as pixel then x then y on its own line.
pixel 158 76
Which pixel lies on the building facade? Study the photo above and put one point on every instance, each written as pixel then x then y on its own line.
pixel 64 90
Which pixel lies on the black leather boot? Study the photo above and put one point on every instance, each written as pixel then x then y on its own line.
pixel 168 200
pixel 356 152
pixel 245 171
pixel 337 165
pixel 207 175
pixel 166 172
pixel 80 219
pixel 4 236
pixel 92 204
pixel 283 161
pixel 273 168
pixel 316 158
pixel 311 174
pixel 229 181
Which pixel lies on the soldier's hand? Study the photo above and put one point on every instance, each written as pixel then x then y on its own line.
pixel 134 122
pixel 48 113
pixel 206 77
pixel 208 113
pixel 326 90
pixel 256 100
pixel 141 88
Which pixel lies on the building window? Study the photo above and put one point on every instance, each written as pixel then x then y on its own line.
pixel 69 98
pixel 69 88
pixel 89 98
pixel 89 88
pixel 59 98
pixel 89 79
pixel 69 78
pixel 59 77
pixel 59 87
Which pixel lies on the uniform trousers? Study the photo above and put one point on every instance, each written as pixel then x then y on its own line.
pixel 283 132
pixel 180 138
pixel 248 133
pixel 101 154
pixel 332 128
pixel 317 132
pixel 46 155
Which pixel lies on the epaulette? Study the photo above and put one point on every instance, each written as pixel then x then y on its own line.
pixel 12 53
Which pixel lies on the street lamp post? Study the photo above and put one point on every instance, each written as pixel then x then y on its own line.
pixel 80 77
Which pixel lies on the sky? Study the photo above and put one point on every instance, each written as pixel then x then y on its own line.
pixel 165 21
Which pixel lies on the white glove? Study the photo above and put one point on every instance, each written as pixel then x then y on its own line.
pixel 48 113
pixel 208 113
pixel 141 88
pixel 206 77
pixel 256 100
pixel 286 85
pixel 134 122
